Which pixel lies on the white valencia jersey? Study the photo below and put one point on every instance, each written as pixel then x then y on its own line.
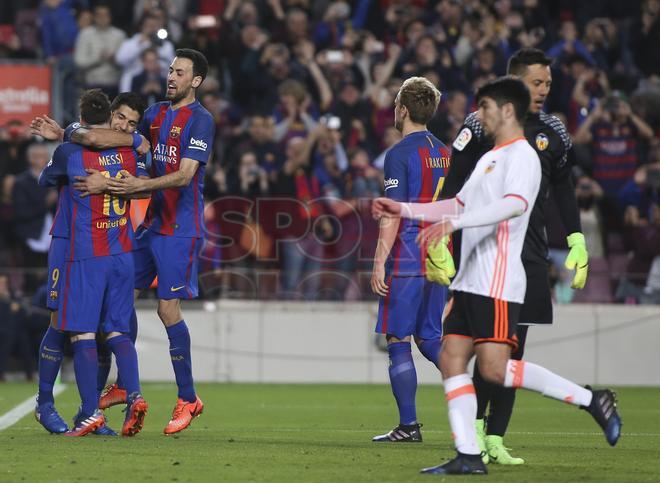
pixel 490 255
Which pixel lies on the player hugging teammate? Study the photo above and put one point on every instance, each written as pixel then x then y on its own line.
pixel 167 245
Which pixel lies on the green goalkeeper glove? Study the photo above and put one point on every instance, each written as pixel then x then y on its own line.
pixel 439 263
pixel 577 259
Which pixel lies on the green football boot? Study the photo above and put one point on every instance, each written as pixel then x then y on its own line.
pixel 480 426
pixel 498 453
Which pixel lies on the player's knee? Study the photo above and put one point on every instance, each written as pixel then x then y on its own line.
pixel 391 339
pixel 83 336
pixel 492 372
pixel 169 311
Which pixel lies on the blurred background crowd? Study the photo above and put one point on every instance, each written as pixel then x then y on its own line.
pixel 302 95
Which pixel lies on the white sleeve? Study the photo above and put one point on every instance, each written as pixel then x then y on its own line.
pixel 523 176
pixel 500 210
pixel 432 212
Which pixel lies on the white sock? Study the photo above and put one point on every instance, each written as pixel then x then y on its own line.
pixel 539 379
pixel 462 404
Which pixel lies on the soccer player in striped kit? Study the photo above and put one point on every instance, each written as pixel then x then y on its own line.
pixel 493 210
pixel 97 286
pixel 410 305
pixel 181 133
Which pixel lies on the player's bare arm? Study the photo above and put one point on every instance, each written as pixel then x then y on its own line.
pixel 101 138
pixel 130 184
pixel 389 227
pixel 47 128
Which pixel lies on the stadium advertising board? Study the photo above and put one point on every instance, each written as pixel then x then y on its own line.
pixel 24 92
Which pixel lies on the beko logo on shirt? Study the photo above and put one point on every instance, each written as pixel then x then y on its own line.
pixel 198 144
pixel 391 183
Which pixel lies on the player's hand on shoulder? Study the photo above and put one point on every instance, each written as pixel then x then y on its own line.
pixel 385 207
pixel 378 285
pixel 144 147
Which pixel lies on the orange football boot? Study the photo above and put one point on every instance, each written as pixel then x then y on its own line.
pixel 183 414
pixel 135 413
pixel 111 396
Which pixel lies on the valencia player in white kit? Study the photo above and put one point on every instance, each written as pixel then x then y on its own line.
pixel 493 210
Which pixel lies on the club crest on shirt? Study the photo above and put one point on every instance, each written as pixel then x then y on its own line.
pixel 542 142
pixel 491 166
pixel 175 132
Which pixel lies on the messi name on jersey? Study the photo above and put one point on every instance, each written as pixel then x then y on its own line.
pixel 110 159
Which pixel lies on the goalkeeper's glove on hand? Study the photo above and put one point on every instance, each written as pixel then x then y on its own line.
pixel 577 259
pixel 439 263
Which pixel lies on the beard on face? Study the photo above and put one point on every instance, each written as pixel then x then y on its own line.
pixel 178 95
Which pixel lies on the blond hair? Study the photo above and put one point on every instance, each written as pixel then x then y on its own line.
pixel 420 97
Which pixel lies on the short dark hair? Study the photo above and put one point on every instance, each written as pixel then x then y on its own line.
pixel 94 107
pixel 523 58
pixel 507 89
pixel 130 99
pixel 200 64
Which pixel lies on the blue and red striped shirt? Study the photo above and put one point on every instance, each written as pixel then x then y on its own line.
pixel 415 170
pixel 61 227
pixel 186 132
pixel 99 224
pixel 615 155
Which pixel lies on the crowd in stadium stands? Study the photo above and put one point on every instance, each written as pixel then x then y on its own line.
pixel 302 94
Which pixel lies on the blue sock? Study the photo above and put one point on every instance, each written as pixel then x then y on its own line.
pixel 127 362
pixel 86 367
pixel 430 348
pixel 50 360
pixel 181 360
pixel 105 361
pixel 132 334
pixel 403 379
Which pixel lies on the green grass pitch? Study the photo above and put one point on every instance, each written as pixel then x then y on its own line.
pixel 252 432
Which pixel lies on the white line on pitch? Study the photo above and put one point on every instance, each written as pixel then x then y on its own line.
pixel 16 414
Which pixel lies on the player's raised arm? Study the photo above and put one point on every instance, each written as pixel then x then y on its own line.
pixel 47 128
pixel 101 138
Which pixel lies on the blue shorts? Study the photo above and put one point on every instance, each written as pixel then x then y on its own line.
pixel 413 306
pixel 97 294
pixel 56 259
pixel 173 259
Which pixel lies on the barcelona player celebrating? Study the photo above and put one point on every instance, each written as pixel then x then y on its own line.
pixel 97 283
pixel 181 133
pixel 410 305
